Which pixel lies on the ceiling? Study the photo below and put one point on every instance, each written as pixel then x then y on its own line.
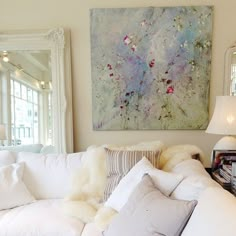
pixel 33 64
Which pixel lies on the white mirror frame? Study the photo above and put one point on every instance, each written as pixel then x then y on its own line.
pixel 227 73
pixel 58 42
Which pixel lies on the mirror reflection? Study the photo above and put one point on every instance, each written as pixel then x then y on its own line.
pixel 26 97
pixel 233 74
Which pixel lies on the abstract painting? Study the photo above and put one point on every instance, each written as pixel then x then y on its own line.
pixel 151 67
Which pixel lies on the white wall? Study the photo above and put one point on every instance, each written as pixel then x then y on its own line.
pixel 74 14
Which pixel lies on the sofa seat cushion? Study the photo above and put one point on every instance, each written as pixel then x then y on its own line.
pixel 43 217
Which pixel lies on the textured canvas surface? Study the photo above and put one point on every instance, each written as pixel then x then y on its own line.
pixel 151 67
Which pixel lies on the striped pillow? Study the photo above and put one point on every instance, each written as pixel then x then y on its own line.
pixel 119 163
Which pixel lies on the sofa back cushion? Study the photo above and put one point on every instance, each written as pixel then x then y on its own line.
pixel 48 175
pixel 195 181
pixel 23 148
pixel 6 158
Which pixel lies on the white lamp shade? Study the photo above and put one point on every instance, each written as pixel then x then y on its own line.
pixel 2 132
pixel 223 120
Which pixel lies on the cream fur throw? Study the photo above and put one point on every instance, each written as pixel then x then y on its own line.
pixel 103 217
pixel 175 154
pixel 89 181
pixel 170 157
pixel 87 186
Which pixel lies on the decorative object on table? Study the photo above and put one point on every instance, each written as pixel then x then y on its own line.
pixel 223 122
pixel 2 134
pixel 151 67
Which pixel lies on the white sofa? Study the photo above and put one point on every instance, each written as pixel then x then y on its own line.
pixel 47 177
pixel 35 148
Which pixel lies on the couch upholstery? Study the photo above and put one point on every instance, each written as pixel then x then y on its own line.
pixel 35 148
pixel 48 178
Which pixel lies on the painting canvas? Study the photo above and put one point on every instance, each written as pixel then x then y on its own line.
pixel 150 67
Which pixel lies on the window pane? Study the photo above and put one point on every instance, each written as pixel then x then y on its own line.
pixel 29 116
pixel 25 114
pixel 35 96
pixel 16 89
pixel 36 113
pixel 22 133
pixel 24 92
pixel 20 109
pixel 29 94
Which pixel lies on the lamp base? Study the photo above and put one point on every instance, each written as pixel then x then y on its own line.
pixel 226 143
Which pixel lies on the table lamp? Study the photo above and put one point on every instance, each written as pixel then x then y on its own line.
pixel 223 122
pixel 2 133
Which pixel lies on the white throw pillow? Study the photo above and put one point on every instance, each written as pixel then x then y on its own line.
pixel 48 175
pixel 13 191
pixel 165 181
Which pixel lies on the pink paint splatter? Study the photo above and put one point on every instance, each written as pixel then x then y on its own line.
pixel 152 63
pixel 170 90
pixel 127 40
pixel 143 23
pixel 109 66
pixel 134 47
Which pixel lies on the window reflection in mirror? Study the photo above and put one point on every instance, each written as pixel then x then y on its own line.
pixel 233 75
pixel 26 96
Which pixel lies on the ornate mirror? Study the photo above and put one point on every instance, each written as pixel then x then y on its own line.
pixel 35 86
pixel 230 71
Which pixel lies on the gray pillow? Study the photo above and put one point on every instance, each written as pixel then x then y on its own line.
pixel 148 212
pixel 119 163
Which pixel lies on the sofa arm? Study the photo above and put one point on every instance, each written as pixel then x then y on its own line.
pixel 214 214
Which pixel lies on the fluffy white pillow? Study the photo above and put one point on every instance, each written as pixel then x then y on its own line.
pixel 13 191
pixel 165 181
pixel 49 171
